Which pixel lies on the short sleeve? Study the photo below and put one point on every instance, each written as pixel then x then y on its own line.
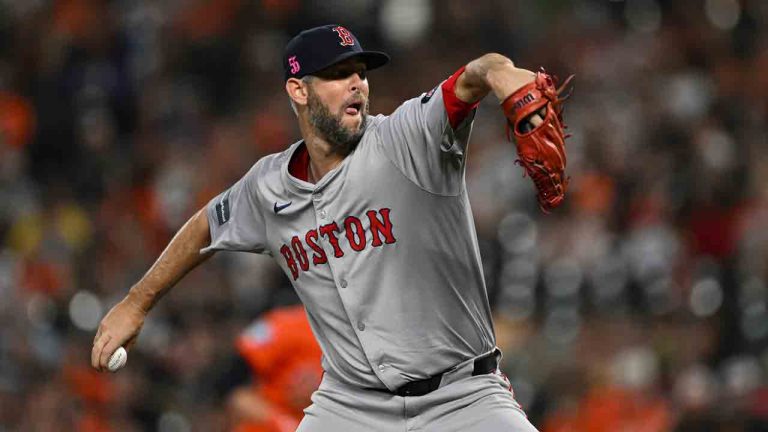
pixel 427 136
pixel 235 219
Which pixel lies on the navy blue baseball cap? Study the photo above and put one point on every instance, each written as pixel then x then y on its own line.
pixel 318 48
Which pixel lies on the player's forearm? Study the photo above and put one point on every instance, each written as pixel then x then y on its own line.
pixel 180 256
pixel 491 73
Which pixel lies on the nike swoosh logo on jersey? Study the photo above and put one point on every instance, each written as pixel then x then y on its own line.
pixel 279 208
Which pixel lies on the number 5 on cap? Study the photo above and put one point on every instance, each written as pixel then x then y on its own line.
pixel 294 64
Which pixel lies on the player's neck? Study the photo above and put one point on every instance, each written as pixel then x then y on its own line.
pixel 322 158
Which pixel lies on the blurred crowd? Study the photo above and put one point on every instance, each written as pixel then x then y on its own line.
pixel 641 305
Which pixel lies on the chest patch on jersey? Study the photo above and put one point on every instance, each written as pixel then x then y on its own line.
pixel 222 209
pixel 428 95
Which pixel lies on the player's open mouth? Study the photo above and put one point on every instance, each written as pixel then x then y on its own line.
pixel 353 108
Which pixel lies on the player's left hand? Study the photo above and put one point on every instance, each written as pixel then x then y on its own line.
pixel 120 327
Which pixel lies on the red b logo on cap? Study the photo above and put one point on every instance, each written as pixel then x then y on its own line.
pixel 345 36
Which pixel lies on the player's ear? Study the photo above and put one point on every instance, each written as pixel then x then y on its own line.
pixel 297 90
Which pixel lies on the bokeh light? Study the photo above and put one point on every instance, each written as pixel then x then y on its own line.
pixel 85 310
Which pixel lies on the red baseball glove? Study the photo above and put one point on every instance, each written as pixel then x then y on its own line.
pixel 541 148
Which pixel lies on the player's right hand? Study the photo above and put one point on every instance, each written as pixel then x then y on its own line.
pixel 120 327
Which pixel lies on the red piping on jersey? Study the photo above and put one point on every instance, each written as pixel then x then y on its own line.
pixel 456 108
pixel 299 164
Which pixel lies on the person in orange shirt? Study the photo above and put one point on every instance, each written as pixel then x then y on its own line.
pixel 283 354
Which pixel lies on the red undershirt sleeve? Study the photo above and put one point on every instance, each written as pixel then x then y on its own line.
pixel 456 108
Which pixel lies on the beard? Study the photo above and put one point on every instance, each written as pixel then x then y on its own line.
pixel 329 125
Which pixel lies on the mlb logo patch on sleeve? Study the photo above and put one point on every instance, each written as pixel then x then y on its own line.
pixel 222 209
pixel 428 95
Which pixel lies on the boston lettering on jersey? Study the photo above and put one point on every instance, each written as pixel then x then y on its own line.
pixel 297 257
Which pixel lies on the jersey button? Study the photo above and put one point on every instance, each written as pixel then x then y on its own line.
pixel 381 368
pixel 360 326
pixel 343 283
pixel 317 196
pixel 322 214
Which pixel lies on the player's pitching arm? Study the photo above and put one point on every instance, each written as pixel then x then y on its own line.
pixel 122 324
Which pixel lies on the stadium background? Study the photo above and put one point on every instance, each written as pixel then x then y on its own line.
pixel 641 305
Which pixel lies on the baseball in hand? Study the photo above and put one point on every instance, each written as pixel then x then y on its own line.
pixel 118 359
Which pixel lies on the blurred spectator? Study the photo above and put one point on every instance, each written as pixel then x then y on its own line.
pixel 285 359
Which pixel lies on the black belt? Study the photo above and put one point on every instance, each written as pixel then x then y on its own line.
pixel 483 365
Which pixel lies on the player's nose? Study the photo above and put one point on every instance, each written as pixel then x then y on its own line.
pixel 355 82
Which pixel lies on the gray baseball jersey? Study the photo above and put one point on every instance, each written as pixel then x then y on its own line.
pixel 382 250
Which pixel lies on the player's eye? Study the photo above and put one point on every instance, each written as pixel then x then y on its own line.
pixel 335 74
pixel 342 73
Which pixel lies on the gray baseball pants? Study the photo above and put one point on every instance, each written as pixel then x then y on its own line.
pixel 462 403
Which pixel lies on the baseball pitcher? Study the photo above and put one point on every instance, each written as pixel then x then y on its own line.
pixel 369 218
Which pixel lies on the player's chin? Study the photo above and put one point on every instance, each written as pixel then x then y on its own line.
pixel 352 122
